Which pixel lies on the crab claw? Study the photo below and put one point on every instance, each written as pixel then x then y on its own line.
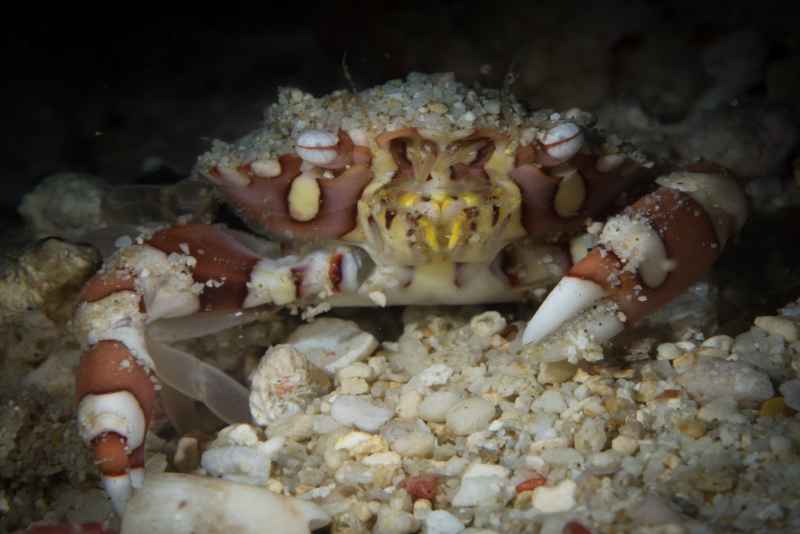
pixel 645 257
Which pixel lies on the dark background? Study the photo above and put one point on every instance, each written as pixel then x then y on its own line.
pixel 132 95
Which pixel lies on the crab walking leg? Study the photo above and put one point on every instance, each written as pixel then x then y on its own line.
pixel 176 272
pixel 645 257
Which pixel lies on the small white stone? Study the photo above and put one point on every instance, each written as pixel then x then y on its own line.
pixel 551 401
pixel 562 456
pixel 559 498
pixel 791 393
pixel 358 412
pixel 778 326
pixel 723 409
pixel 332 344
pixel 357 442
pixel 625 444
pixel 391 521
pixel 281 385
pixel 436 405
pixel 487 324
pixel 668 351
pixel 470 415
pixel 442 522
pixel 480 484
pixel 435 375
pixel 382 458
pixel 555 372
pixel 411 438
pixel 409 404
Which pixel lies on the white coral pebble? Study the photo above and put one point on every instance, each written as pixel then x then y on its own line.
pixel 559 498
pixel 481 484
pixel 355 411
pixel 282 385
pixel 442 522
pixel 470 415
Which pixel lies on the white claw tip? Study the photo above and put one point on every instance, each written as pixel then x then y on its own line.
pixel 118 489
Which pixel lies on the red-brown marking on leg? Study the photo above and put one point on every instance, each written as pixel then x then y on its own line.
pixel 335 272
pixel 110 454
pixel 220 258
pixel 136 458
pixel 689 240
pixel 102 285
pixel 109 366
pixel 538 193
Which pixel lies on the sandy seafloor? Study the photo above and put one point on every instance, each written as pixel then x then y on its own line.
pixel 688 424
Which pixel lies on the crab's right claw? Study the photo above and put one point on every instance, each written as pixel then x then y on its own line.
pixel 645 257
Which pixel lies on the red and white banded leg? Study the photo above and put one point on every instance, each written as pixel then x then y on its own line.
pixel 646 256
pixel 180 271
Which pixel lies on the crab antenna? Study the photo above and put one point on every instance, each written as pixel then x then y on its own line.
pixel 507 94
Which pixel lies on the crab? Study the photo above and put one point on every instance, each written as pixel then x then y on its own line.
pixel 419 191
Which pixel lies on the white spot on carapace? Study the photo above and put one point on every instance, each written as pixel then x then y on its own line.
pixel 563 140
pixel 318 147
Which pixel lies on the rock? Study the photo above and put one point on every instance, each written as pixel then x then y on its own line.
pixel 390 521
pixel 283 384
pixel 358 412
pixel 442 522
pixel 712 378
pixel 332 344
pixel 470 415
pixel 411 438
pixel 559 498
pixel 551 401
pixel 791 393
pixel 435 406
pixel 481 484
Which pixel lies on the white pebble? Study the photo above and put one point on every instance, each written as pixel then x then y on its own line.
pixel 333 344
pixel 442 522
pixel 435 375
pixel 470 415
pixel 281 385
pixel 791 393
pixel 711 378
pixel 559 498
pixel 480 484
pixel 435 406
pixel 390 521
pixel 551 401
pixel 487 324
pixel 355 411
pixel 778 326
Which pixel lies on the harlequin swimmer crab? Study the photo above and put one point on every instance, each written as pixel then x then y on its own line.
pixel 420 191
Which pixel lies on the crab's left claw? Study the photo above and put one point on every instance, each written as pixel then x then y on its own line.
pixel 644 257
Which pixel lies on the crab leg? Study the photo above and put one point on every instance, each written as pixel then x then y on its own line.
pixel 645 257
pixel 175 273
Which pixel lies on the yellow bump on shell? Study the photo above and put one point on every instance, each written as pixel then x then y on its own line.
pixel 456 230
pixel 429 233
pixel 304 198
pixel 471 199
pixel 408 199
pixel 439 197
pixel 570 196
